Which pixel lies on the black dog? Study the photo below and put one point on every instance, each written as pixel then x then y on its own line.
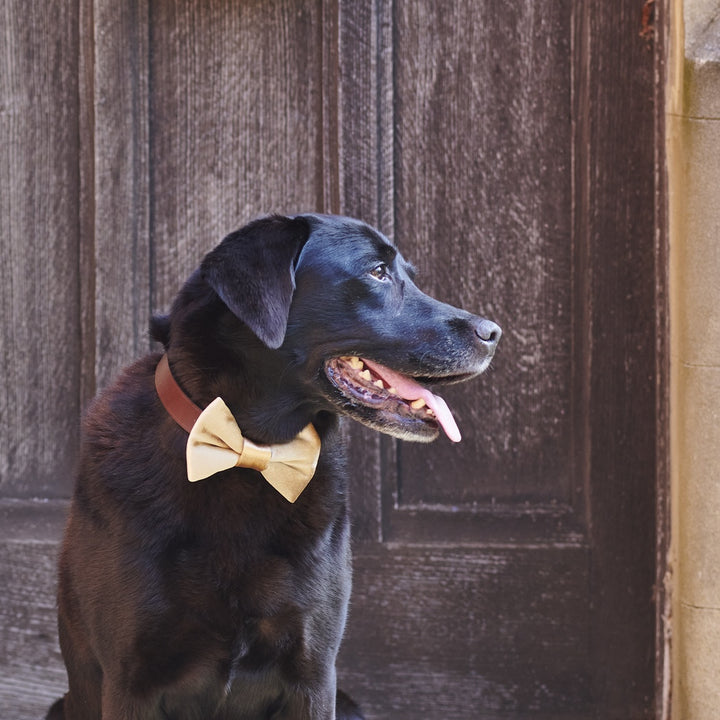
pixel 222 599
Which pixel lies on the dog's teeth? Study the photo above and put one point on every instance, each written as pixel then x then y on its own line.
pixel 379 383
pixel 417 404
pixel 429 411
pixel 356 363
pixel 365 375
pixel 392 391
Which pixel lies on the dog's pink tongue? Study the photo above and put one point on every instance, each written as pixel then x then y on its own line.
pixel 410 390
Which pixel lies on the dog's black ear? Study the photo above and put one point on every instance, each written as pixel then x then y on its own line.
pixel 160 329
pixel 253 272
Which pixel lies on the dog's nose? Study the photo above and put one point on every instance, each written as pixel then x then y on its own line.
pixel 488 331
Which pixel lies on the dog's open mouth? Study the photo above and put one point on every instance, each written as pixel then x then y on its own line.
pixel 400 399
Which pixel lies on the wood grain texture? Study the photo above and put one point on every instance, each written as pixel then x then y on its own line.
pixel 661 12
pixel 122 189
pixel 39 340
pixel 484 207
pixel 451 633
pixel 32 674
pixel 545 158
pixel 86 229
pixel 365 99
pixel 623 383
pixel 366 180
pixel 27 691
pixel 236 127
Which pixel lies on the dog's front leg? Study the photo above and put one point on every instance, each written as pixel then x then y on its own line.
pixel 310 703
pixel 118 704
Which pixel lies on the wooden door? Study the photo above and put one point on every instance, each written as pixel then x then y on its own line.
pixel 510 151
pixel 512 576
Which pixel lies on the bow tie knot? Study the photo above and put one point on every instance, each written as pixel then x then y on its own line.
pixel 216 443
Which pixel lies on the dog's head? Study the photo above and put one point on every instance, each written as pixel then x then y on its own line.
pixel 343 324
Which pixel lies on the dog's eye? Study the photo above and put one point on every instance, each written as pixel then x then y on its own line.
pixel 380 272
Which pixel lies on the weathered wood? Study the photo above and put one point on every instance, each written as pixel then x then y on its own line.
pixel 27 691
pixel 486 192
pixel 619 170
pixel 450 633
pixel 235 124
pixel 39 404
pixel 366 179
pixel 86 228
pixel 122 186
pixel 660 13
pixel 32 674
pixel 484 207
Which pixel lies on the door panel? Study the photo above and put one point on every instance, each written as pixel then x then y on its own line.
pixel 512 575
pixel 427 637
pixel 483 201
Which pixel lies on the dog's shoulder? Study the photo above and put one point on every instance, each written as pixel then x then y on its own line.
pixel 130 399
pixel 123 434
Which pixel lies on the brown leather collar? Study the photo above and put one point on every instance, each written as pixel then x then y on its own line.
pixel 178 405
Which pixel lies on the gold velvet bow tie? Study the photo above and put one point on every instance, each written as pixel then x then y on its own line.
pixel 215 442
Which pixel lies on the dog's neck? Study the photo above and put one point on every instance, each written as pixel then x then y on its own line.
pixel 268 406
pixel 212 354
pixel 177 403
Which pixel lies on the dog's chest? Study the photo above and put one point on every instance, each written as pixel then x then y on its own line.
pixel 261 600
pixel 279 622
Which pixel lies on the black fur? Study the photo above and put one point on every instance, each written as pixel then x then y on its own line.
pixel 219 599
